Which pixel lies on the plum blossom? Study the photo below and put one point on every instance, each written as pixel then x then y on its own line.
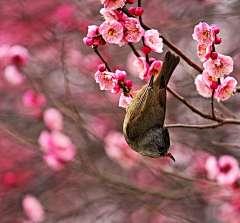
pixel 121 75
pixel 154 69
pixel 124 101
pixel 32 99
pixel 53 119
pixel 134 30
pixel 92 31
pixel 152 40
pixel 110 15
pixel 204 34
pixel 207 79
pixel 107 80
pixel 225 171
pixel 113 4
pixel 142 67
pixel 117 149
pixel 226 89
pixel 112 31
pixel 204 52
pixel 33 208
pixel 19 55
pixel 13 76
pixel 202 88
pixel 223 65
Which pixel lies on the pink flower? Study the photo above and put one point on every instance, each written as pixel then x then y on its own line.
pixel 107 80
pixel 207 79
pixel 142 67
pixel 202 88
pixel 122 42
pixel 110 15
pixel 19 55
pixel 204 52
pixel 121 75
pixel 13 76
pixel 124 101
pixel 113 4
pixel 117 149
pixel 116 89
pixel 53 162
pixel 44 141
pixel 32 99
pixel 152 40
pixel 134 30
pixel 204 34
pixel 211 166
pixel 223 65
pixel 226 89
pixel 33 208
pixel 92 31
pixel 112 31
pixel 154 69
pixel 53 119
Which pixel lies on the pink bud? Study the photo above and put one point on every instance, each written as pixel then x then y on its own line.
pixel 214 55
pixel 88 41
pixel 131 11
pixel 138 11
pixel 128 83
pixel 146 50
pixel 218 40
pixel 215 28
pixel 151 60
pixel 102 67
pixel 130 1
pixel 10 179
pixel 121 75
pixel 214 85
pixel 53 119
pixel 116 89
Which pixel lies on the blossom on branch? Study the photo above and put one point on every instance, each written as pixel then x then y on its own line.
pixel 204 52
pixel 124 101
pixel 226 89
pixel 152 40
pixel 154 69
pixel 19 55
pixel 110 15
pixel 142 67
pixel 13 76
pixel 113 4
pixel 134 30
pixel 107 80
pixel 53 119
pixel 202 88
pixel 32 99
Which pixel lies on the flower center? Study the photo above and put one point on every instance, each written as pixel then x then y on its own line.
pixel 225 168
pixel 205 34
pixel 111 32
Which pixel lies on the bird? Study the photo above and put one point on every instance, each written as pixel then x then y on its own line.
pixel 143 125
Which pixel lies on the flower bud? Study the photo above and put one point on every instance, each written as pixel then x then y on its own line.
pixel 215 28
pixel 138 11
pixel 102 67
pixel 131 11
pixel 146 50
pixel 130 1
pixel 214 55
pixel 128 83
pixel 218 40
pixel 214 85
pixel 88 41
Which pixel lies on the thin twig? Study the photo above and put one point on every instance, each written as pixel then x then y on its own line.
pixel 212 105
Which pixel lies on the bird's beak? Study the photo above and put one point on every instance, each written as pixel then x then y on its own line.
pixel 170 156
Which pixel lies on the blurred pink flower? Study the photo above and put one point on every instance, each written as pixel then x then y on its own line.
pixel 117 149
pixel 113 4
pixel 13 76
pixel 152 40
pixel 44 141
pixel 53 119
pixel 154 69
pixel 112 31
pixel 32 99
pixel 202 88
pixel 142 67
pixel 19 55
pixel 124 101
pixel 223 65
pixel 134 30
pixel 204 34
pixel 33 208
pixel 226 89
pixel 225 171
pixel 204 52
pixel 110 15
pixel 53 162
pixel 107 80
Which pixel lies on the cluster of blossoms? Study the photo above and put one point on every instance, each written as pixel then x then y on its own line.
pixel 120 29
pixel 225 170
pixel 216 66
pixel 57 147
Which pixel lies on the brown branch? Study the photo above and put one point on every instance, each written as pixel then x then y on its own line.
pixel 207 126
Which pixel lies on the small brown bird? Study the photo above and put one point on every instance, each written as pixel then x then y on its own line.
pixel 143 124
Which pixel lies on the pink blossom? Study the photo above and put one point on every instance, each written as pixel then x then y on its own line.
pixel 124 100
pixel 134 30
pixel 204 52
pixel 13 76
pixel 117 149
pixel 33 208
pixel 207 79
pixel 53 162
pixel 142 67
pixel 92 31
pixel 202 88
pixel 19 55
pixel 204 34
pixel 44 141
pixel 121 75
pixel 211 166
pixel 110 15
pixel 107 80
pixel 32 99
pixel 53 119
pixel 154 69
pixel 122 42
pixel 116 89
pixel 152 40
pixel 113 4
pixel 223 65
pixel 226 89
pixel 112 31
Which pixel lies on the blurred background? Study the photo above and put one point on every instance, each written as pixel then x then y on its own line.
pixel 107 181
